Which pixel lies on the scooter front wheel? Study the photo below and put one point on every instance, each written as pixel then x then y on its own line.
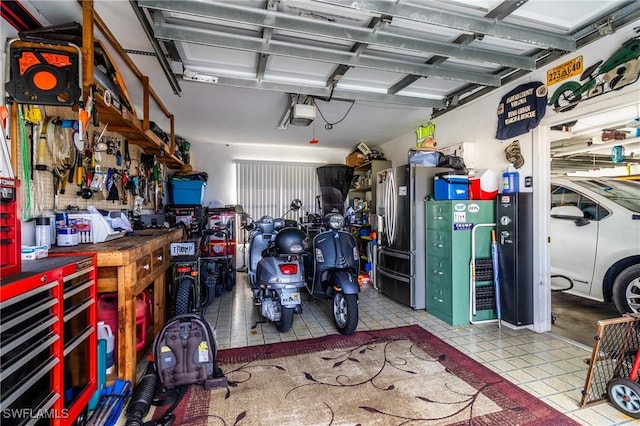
pixel 345 312
pixel 286 319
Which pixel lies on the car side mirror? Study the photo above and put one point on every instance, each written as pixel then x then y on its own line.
pixel 570 213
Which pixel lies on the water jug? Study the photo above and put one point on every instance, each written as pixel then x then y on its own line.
pixel 510 180
pixel 104 332
pixel 617 154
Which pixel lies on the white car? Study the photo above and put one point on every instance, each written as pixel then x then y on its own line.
pixel 595 239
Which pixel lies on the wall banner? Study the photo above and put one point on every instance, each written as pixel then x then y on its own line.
pixel 521 110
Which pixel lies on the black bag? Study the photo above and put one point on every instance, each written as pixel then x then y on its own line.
pixel 452 161
pixel 184 353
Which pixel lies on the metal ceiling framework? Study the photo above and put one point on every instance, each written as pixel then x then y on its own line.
pixel 413 41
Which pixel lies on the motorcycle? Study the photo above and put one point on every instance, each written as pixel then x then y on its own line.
pixel 619 70
pixel 331 266
pixel 189 293
pixel 275 269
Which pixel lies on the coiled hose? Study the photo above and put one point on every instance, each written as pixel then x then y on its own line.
pixel 142 398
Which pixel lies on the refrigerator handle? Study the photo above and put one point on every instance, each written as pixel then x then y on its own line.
pixel 387 209
pixel 392 208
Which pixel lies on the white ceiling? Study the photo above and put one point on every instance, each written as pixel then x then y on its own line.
pixel 461 53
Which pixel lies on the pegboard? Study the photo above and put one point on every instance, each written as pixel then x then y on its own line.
pixel 41 192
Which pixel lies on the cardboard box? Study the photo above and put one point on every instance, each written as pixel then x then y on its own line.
pixel 355 159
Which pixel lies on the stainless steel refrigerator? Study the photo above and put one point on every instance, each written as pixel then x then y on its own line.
pixel 400 224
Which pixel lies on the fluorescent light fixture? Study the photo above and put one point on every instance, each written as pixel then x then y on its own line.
pixel 196 76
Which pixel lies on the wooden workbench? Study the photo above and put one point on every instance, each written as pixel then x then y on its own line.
pixel 127 266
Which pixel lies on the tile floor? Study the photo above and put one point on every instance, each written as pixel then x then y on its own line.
pixel 550 367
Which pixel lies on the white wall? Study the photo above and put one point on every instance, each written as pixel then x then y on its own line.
pixel 218 161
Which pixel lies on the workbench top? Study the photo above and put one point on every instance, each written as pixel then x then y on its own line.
pixel 125 250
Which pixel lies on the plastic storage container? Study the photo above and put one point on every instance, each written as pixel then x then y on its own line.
pixel 510 180
pixel 451 187
pixel 189 192
pixel 105 333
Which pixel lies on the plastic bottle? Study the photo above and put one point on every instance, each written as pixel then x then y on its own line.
pixel 510 180
pixel 104 332
pixel 43 231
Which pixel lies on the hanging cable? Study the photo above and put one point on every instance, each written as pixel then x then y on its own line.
pixel 26 169
pixel 329 126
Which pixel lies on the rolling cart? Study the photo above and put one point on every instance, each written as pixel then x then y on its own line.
pixel 615 364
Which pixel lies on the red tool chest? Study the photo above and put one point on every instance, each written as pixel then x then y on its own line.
pixel 49 339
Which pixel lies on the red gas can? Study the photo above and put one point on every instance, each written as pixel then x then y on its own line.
pixel 108 312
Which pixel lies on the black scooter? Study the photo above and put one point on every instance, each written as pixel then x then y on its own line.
pixel 331 264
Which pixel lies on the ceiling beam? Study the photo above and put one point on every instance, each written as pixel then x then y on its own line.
pixel 275 47
pixel 267 33
pixel 325 92
pixel 627 14
pixel 461 21
pixel 273 19
pixel 375 23
pixel 162 60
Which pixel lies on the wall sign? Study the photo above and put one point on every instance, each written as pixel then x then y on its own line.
pixel 521 110
pixel 564 71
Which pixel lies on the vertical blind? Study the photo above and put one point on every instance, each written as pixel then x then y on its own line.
pixel 267 188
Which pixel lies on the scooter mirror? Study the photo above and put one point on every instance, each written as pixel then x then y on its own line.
pixel 296 205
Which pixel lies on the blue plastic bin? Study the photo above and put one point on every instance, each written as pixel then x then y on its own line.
pixel 189 192
pixel 451 187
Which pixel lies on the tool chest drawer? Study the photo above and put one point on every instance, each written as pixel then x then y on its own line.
pixel 48 343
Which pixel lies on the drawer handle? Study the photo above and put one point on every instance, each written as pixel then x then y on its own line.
pixel 438 218
pixel 159 258
pixel 146 267
pixel 437 272
pixel 438 245
pixel 437 299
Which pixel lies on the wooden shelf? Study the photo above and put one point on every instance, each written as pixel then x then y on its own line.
pixel 126 123
pixel 361 189
pixel 130 128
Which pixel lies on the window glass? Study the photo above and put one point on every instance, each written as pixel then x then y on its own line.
pixel 561 196
pixel 623 192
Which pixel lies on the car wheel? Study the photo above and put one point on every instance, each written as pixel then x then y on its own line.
pixel 626 290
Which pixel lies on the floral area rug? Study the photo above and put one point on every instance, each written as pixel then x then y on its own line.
pixel 400 376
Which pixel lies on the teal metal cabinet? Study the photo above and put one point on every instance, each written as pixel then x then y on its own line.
pixel 448 257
